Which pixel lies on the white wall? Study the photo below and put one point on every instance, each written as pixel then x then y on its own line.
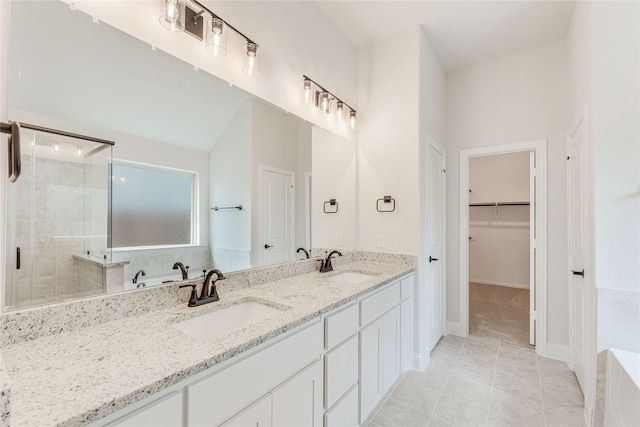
pixel 294 38
pixel 334 177
pixel 514 98
pixel 401 99
pixel 499 178
pixel 276 143
pixel 615 131
pixel 230 185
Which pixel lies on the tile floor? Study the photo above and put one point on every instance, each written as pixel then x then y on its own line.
pixel 481 381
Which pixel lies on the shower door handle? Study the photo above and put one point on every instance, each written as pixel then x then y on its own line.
pixel 13 130
pixel 18 258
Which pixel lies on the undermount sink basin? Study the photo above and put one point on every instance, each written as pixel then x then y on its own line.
pixel 351 277
pixel 222 322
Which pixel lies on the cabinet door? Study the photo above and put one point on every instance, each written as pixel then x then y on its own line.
pixel 340 370
pixel 390 348
pixel 165 412
pixel 298 402
pixel 256 415
pixel 370 368
pixel 345 413
pixel 406 333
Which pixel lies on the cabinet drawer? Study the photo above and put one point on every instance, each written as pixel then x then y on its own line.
pixel 406 287
pixel 379 303
pixel 164 412
pixel 340 326
pixel 345 413
pixel 217 397
pixel 341 370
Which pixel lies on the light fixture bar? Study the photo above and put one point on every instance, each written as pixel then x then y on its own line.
pixel 213 15
pixel 329 92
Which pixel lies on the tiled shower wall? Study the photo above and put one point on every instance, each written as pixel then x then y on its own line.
pixel 50 218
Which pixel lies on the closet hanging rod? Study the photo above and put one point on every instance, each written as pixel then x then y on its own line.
pixel 6 128
pixel 501 204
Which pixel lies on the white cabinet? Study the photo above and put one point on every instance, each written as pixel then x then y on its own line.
pixel 370 368
pixel 164 412
pixel 406 333
pixel 341 370
pixel 390 348
pixel 386 317
pixel 345 412
pixel 298 402
pixel 258 415
pixel 222 394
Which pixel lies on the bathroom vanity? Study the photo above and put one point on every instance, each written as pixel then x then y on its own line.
pixel 329 348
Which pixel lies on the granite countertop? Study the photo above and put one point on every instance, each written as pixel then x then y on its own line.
pixel 83 375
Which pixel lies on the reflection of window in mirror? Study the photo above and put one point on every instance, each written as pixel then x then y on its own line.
pixel 152 206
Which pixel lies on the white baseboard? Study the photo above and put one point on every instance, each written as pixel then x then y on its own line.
pixel 498 283
pixel 454 328
pixel 420 361
pixel 557 352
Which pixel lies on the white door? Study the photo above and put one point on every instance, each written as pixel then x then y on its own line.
pixel 435 242
pixel 532 248
pixel 277 216
pixel 576 168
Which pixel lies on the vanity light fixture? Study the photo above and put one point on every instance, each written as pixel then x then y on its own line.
pixel 217 37
pixel 183 15
pixel 253 60
pixel 323 100
pixel 172 15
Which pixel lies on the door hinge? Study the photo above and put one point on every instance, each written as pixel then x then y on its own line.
pixel 533 244
pixel 571 334
pixel 534 315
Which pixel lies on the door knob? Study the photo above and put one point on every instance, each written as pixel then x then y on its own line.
pixel 578 273
pixel 266 246
pixel 432 259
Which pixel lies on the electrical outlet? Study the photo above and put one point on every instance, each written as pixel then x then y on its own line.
pixel 338 239
pixel 380 241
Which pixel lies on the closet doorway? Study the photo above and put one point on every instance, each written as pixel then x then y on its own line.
pixel 503 241
pixel 501 201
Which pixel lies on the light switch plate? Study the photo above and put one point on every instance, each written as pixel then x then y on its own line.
pixel 380 240
pixel 338 238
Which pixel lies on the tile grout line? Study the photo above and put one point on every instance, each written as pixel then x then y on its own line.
pixel 544 409
pixel 435 407
pixel 493 380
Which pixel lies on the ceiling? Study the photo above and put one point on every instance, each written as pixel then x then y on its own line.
pixel 462 33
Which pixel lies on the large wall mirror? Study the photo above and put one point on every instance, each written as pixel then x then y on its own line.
pixel 201 173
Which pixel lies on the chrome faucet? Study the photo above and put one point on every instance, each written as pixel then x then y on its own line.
pixel 208 293
pixel 183 269
pixel 303 250
pixel 139 273
pixel 325 265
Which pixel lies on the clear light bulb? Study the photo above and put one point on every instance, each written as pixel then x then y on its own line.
pixel 352 119
pixel 340 111
pixel 252 65
pixel 324 102
pixel 307 91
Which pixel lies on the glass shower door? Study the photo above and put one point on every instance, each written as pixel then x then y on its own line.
pixel 57 212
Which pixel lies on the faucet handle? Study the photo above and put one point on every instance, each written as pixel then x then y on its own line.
pixel 194 295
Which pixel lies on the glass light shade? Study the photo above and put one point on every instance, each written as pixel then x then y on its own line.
pixel 340 111
pixel 172 15
pixel 307 91
pixel 252 64
pixel 352 119
pixel 323 102
pixel 217 37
